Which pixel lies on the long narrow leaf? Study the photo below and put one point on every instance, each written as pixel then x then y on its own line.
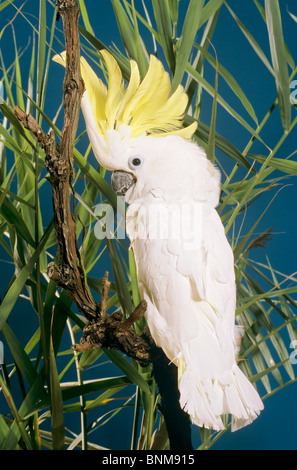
pixel 287 166
pixel 164 25
pixel 20 356
pixel 57 421
pixel 16 287
pixel 278 55
pixel 190 28
pixel 210 9
pixel 132 46
pixel 126 367
pixel 209 88
pixel 232 83
pixel 251 40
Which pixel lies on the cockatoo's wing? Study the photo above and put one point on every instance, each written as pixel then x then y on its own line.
pixel 205 257
pixel 211 383
pixel 189 285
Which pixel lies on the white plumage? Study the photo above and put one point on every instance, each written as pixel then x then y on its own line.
pixel 187 276
pixel 184 262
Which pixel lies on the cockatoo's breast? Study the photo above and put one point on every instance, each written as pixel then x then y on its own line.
pixel 176 275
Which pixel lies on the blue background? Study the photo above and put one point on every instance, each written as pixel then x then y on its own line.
pixel 276 428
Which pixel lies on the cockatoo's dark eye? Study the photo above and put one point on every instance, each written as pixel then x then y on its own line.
pixel 135 162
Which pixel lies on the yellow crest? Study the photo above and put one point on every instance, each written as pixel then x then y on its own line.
pixel 146 106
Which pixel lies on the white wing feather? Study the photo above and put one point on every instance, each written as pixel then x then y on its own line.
pixel 191 307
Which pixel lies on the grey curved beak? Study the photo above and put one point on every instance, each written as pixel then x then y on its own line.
pixel 121 181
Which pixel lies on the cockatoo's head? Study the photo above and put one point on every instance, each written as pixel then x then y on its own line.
pixel 165 167
pixel 138 133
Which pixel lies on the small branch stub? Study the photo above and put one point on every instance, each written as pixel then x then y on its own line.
pixel 104 296
pixel 53 272
pixel 109 331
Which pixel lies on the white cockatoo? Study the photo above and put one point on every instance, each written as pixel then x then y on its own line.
pixel 184 262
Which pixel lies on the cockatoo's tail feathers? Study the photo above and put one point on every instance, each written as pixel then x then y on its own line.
pixel 206 401
pixel 147 106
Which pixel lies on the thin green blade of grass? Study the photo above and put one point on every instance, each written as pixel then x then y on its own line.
pixel 16 220
pixel 173 7
pixel 264 373
pixel 41 53
pixel 16 287
pixel 274 336
pixel 45 49
pixel 89 357
pixel 285 303
pixel 160 438
pixel 84 210
pixel 20 131
pixel 133 276
pixel 31 75
pixel 136 417
pixel 70 392
pixel 251 40
pixel 4 430
pixel 141 56
pixel 198 64
pixel 146 22
pixel 255 266
pixel 209 88
pixel 95 42
pixel 18 74
pixel 5 4
pixel 294 17
pixel 222 144
pixel 212 131
pixel 17 429
pixel 20 356
pixel 257 309
pixel 209 10
pixel 240 246
pixel 8 180
pixel 120 279
pixel 260 366
pixel 231 82
pixel 125 28
pixel 130 36
pixel 281 164
pixel 248 301
pixel 104 398
pixel 164 26
pixel 90 172
pixel 127 368
pixel 190 28
pixel 256 354
pixel 289 57
pixel 278 56
pixel 57 420
pixel 85 16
